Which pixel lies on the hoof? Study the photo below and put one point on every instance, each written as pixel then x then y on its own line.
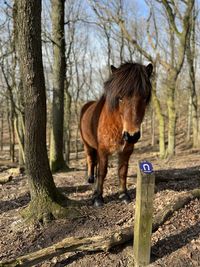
pixel 125 198
pixel 91 179
pixel 98 201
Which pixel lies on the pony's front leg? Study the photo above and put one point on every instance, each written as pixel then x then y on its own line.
pixel 122 172
pixel 102 171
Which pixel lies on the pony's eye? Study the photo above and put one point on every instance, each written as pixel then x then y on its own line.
pixel 120 100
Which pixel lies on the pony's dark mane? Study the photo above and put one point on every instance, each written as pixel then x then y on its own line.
pixel 128 80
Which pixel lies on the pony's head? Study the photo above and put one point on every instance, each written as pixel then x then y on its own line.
pixel 128 91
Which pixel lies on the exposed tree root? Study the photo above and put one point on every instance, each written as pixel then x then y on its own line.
pixel 57 166
pixel 78 188
pixel 101 243
pixel 43 209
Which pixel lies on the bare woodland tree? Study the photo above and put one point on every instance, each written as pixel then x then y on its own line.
pixel 193 104
pixel 13 93
pixel 59 73
pixel 45 199
pixel 176 64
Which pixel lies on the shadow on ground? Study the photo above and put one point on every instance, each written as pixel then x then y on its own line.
pixel 172 243
pixel 14 203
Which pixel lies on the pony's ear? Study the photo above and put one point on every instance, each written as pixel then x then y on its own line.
pixel 149 69
pixel 113 68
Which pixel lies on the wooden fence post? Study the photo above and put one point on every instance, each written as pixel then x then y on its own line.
pixel 143 214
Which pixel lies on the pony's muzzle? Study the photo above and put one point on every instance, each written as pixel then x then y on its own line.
pixel 131 138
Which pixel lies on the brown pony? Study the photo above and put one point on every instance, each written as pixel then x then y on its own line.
pixel 112 124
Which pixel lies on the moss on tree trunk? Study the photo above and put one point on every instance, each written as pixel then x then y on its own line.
pixel 44 209
pixel 160 118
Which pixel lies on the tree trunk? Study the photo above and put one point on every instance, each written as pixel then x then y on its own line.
pixel 67 130
pixel 2 130
pixel 177 55
pixel 160 117
pixel 9 127
pixel 152 127
pixel 189 119
pixel 59 68
pixel 77 143
pixel 195 122
pixel 11 108
pixel 12 128
pixel 10 119
pixel 20 124
pixel 190 52
pixel 171 124
pixel 19 129
pixel 171 112
pixel 45 199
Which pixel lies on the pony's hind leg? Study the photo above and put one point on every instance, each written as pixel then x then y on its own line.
pixel 122 172
pixel 91 163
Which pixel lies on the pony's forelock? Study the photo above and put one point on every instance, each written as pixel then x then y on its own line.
pixel 128 80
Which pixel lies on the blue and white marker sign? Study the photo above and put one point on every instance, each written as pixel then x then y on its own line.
pixel 146 167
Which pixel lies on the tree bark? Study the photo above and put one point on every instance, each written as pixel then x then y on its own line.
pixel 152 127
pixel 160 117
pixel 45 199
pixel 59 69
pixel 189 119
pixel 67 128
pixel 20 124
pixel 20 137
pixel 190 52
pixel 2 130
pixel 171 114
pixel 175 65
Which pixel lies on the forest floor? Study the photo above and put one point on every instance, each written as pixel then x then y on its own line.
pixel 175 243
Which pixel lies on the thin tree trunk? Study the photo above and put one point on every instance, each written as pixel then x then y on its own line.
pixel 176 65
pixel 160 118
pixel 59 69
pixel 171 124
pixel 152 127
pixel 77 143
pixel 190 52
pixel 172 77
pixel 19 129
pixel 67 127
pixel 189 119
pixel 12 145
pixel 2 130
pixel 195 122
pixel 9 127
pixel 11 106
